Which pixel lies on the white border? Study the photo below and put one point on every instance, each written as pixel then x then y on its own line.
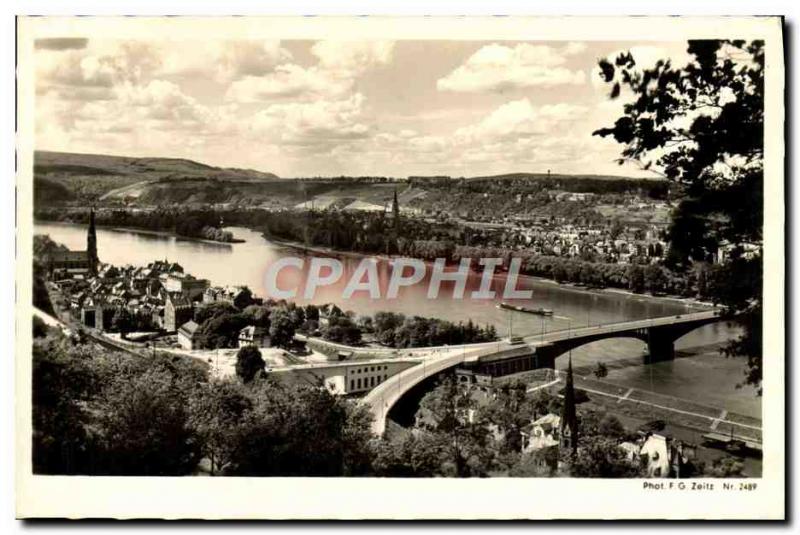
pixel 440 498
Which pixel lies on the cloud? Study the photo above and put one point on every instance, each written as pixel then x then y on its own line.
pixel 519 119
pixel 223 61
pixel 339 65
pixel 60 43
pixel 101 66
pixel 495 68
pixel 288 81
pixel 319 126
pixel 352 57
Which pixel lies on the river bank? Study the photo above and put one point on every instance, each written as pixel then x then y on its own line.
pixel 144 231
pixel 568 286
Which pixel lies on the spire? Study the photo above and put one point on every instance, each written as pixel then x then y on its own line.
pixel 395 207
pixel 91 243
pixel 569 416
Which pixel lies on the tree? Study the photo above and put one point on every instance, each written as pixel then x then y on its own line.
pixel 540 463
pixel 701 126
pixel 635 274
pixel 281 329
pixel 300 430
pixel 121 321
pixel 601 370
pixel 62 387
pixel 600 456
pixel 220 329
pixel 448 411
pixel 144 428
pixel 412 455
pixel 510 410
pixel 215 413
pixel 726 466
pixel 654 278
pixel 249 363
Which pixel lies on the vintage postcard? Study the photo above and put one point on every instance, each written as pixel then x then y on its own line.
pixel 400 268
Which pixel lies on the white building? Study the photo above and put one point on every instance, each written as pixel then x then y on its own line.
pixel 254 336
pixel 186 334
pixel 542 433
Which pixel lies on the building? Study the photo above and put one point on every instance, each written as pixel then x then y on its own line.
pixel 568 426
pixel 96 315
pixel 541 433
pixel 187 285
pixel 253 335
pixel 91 245
pixel 67 264
pixel 238 296
pixel 70 264
pixel 660 456
pixel 186 334
pixel 177 311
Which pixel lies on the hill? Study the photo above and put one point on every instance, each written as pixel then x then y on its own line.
pixel 90 177
pixel 67 178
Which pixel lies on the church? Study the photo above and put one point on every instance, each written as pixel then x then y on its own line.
pixel 63 264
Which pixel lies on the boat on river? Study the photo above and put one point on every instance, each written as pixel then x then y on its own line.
pixel 519 308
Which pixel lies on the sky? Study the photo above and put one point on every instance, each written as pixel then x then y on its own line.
pixel 330 108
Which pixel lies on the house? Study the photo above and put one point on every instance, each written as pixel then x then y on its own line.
pixel 253 335
pixel 238 296
pixel 186 334
pixel 67 263
pixel 177 311
pixel 187 285
pixel 660 456
pixel 96 315
pixel 541 433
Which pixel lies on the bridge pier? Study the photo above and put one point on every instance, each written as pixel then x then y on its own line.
pixel 660 346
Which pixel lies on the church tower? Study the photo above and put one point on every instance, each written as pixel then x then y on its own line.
pixel 396 210
pixel 91 244
pixel 569 416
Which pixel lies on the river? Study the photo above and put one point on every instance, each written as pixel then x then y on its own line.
pixel 706 378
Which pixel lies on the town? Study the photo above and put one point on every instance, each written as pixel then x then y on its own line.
pixel 161 306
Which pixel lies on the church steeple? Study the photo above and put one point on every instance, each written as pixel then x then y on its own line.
pixel 395 209
pixel 91 244
pixel 569 415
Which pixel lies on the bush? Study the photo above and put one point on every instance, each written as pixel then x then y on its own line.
pixel 249 363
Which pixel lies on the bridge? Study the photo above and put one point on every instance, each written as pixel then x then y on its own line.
pixel 536 351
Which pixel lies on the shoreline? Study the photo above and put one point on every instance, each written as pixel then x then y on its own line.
pixel 147 232
pixel 687 301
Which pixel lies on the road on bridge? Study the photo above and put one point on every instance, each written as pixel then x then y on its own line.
pixel 386 394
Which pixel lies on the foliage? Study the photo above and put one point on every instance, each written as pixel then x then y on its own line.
pixel 282 327
pixel 249 363
pixel 726 466
pixel 300 431
pixel 600 456
pixel 143 425
pixel 540 463
pixel 702 127
pixel 342 329
pixel 449 411
pixel 215 412
pixel 601 370
pixel 103 413
pixel 221 330
pixel 397 330
pixel 417 454
pixel 509 411
pixel 62 384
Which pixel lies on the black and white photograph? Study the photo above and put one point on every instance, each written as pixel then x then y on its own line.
pixel 328 250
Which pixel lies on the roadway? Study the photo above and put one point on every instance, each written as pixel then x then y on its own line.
pixel 386 394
